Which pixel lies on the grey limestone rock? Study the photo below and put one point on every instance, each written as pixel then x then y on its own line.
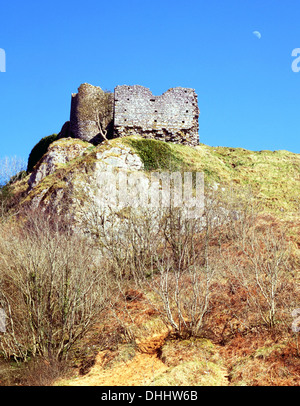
pixel 60 152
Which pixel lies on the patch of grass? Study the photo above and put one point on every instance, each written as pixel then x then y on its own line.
pixel 193 361
pixel 264 352
pixel 174 352
pixel 193 373
pixel 123 354
pixel 157 155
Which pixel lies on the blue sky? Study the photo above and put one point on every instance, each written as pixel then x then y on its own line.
pixel 247 92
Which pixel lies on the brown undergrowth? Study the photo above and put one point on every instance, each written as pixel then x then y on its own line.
pixel 228 354
pixel 238 343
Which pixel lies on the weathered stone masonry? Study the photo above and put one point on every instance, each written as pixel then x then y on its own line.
pixel 172 117
pixel 91 113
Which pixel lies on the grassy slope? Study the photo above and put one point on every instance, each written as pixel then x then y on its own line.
pixel 274 177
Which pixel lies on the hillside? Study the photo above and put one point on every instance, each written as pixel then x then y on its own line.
pixel 181 305
pixel 272 176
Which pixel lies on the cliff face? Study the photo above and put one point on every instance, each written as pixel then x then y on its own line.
pixel 59 153
pixel 69 178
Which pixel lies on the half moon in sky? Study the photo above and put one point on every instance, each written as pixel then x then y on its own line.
pixel 257 34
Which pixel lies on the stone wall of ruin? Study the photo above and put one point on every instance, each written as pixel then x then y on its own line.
pixel 172 117
pixel 132 110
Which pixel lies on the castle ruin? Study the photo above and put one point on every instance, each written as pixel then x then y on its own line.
pixel 97 115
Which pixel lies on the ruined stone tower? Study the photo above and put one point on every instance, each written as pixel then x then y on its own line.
pixel 91 113
pixel 172 117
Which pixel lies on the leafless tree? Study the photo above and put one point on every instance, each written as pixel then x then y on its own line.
pixel 166 255
pixel 52 287
pixel 9 167
pixel 266 273
pixel 259 260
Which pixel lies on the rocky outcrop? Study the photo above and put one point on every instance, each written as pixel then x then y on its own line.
pixel 70 177
pixel 88 182
pixel 59 152
pixel 120 157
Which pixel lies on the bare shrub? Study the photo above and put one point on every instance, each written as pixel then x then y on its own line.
pixel 167 256
pixel 9 168
pixel 52 287
pixel 186 268
pixel 258 260
pixel 36 372
pixel 266 275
